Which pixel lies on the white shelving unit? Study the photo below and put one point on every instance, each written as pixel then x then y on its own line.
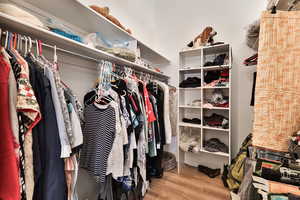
pixel 192 65
pixel 84 20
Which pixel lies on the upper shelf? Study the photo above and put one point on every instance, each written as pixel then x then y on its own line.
pixel 85 18
pixel 12 24
pixel 207 49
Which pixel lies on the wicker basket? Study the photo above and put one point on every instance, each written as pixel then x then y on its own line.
pixel 169 161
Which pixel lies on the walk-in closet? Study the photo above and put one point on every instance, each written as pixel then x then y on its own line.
pixel 153 100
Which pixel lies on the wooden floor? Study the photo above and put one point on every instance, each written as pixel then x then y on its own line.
pixel 189 185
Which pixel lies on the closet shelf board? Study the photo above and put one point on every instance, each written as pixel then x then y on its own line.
pixel 190 70
pixel 222 87
pixel 183 124
pixel 216 49
pixel 216 153
pixel 89 20
pixel 197 88
pixel 216 129
pixel 212 68
pixel 216 108
pixel 12 24
pixel 199 107
pixel 188 106
pixel 208 49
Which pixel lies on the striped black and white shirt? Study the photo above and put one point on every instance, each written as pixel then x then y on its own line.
pixel 98 137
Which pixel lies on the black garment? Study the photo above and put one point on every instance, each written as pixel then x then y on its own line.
pixel 137 108
pixel 192 121
pixel 49 174
pixel 253 89
pixel 155 164
pixel 190 82
pixel 156 123
pixel 219 60
pixel 160 96
pixel 121 89
pixel 158 93
pixel 89 98
pixel 210 76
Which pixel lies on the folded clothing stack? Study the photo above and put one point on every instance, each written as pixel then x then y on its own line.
pixel 99 41
pixel 216 120
pixel 190 82
pixel 215 145
pixel 189 142
pixel 217 100
pixel 217 78
pixel 71 36
pixel 219 60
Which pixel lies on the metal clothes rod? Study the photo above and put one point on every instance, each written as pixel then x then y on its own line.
pixel 70 52
pixel 88 57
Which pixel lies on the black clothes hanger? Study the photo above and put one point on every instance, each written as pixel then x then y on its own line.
pixel 274 10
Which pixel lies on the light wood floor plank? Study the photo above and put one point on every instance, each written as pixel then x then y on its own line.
pixel 189 185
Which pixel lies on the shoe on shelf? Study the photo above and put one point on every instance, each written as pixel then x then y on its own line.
pixel 211 173
pixel 215 145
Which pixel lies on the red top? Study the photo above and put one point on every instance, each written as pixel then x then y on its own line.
pixel 148 105
pixel 9 182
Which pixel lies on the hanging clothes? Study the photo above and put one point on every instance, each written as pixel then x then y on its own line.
pixel 168 129
pixel 48 166
pixel 173 105
pixel 29 115
pixel 64 139
pixel 98 137
pixel 9 188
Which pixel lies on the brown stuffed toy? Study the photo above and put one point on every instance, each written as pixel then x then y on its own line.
pixel 104 11
pixel 204 39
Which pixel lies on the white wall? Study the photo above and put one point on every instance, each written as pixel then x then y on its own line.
pixel 178 22
pixel 137 15
pixel 170 24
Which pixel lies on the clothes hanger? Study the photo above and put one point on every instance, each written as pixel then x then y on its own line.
pixel 6 40
pixel 274 7
pixel 15 39
pixel 3 51
pixel 18 42
pixel 41 56
pixel 293 4
pixel 25 46
pixel 0 37
pixel 37 49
